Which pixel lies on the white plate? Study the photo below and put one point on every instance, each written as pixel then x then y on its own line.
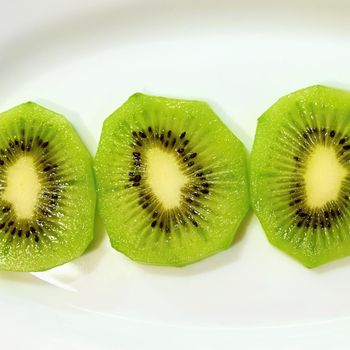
pixel 83 59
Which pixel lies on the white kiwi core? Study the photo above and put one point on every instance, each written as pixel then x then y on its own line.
pixel 165 177
pixel 22 187
pixel 323 176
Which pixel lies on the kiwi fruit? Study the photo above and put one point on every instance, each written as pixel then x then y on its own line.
pixel 47 194
pixel 171 180
pixel 300 174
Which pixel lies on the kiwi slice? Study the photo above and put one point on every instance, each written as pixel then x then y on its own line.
pixel 300 174
pixel 47 197
pixel 171 179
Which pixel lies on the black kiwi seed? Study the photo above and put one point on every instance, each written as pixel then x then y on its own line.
pixel 27 234
pixel 332 133
pixel 36 238
pixel 173 142
pixel 186 142
pixel 137 178
pixel 154 223
pixel 2 225
pixel 169 133
pixel 183 134
pixel 194 211
pixel 342 141
pixel 10 223
pixel 2 162
pixel 180 150
pixel 150 130
pixel 45 144
pixel 142 134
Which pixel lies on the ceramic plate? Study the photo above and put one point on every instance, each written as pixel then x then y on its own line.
pixel 83 59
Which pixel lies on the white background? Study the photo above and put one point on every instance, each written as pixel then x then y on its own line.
pixel 83 59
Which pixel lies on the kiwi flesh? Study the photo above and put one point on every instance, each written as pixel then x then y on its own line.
pixel 171 180
pixel 300 174
pixel 47 194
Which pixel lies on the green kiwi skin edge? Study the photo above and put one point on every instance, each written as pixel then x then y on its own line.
pixel 185 244
pixel 333 106
pixel 72 228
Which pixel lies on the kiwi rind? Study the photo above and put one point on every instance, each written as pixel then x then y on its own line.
pixel 73 227
pixel 129 233
pixel 329 110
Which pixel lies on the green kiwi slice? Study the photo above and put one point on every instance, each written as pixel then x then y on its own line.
pixel 300 174
pixel 171 179
pixel 47 195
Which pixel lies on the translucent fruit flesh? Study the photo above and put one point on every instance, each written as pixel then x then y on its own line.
pixel 172 182
pixel 47 194
pixel 300 174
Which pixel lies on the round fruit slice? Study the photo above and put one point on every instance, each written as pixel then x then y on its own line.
pixel 47 198
pixel 300 174
pixel 171 178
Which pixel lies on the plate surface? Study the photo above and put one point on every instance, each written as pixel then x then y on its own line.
pixel 83 59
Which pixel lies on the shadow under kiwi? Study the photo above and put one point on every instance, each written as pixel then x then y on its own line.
pixel 333 265
pixel 20 277
pixel 88 262
pixel 208 264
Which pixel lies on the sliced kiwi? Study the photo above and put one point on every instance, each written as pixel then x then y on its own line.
pixel 300 174
pixel 47 197
pixel 172 182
